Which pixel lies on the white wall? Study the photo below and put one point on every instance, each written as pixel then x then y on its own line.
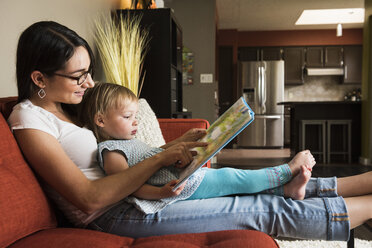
pixel 16 15
pixel 197 20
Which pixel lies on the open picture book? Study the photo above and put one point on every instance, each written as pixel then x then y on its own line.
pixel 218 135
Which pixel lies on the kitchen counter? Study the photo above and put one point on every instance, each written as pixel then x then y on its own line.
pixel 318 103
pixel 325 110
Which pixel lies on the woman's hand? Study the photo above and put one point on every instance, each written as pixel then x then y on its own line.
pixel 179 154
pixel 167 190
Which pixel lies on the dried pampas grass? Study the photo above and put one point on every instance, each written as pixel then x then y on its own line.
pixel 122 47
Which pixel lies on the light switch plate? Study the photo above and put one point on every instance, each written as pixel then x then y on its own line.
pixel 206 78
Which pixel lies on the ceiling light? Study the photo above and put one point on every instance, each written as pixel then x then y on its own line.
pixel 339 30
pixel 331 16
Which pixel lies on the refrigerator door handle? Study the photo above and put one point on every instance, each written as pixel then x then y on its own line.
pixel 259 91
pixel 264 85
pixel 265 131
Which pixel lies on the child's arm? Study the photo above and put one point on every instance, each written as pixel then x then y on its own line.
pixel 116 162
pixel 193 134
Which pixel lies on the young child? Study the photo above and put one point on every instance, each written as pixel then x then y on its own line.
pixel 109 110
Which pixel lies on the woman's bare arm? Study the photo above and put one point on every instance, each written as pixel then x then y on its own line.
pixel 49 160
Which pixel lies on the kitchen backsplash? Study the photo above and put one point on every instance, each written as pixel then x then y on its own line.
pixel 318 88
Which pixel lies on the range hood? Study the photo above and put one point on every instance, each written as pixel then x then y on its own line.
pixel 324 71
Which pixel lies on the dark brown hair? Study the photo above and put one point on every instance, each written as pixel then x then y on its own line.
pixel 45 46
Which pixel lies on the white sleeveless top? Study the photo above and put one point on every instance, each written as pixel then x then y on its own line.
pixel 79 144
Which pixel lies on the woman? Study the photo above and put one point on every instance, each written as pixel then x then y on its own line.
pixel 54 68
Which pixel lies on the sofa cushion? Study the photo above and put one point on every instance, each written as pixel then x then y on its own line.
pixel 68 237
pixel 72 237
pixel 174 128
pixel 218 239
pixel 24 207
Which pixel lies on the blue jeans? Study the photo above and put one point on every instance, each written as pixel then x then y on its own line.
pixel 323 215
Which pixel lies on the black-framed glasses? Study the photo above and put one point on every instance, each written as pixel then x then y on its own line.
pixel 79 80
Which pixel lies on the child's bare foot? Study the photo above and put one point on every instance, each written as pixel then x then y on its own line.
pixel 302 158
pixel 296 188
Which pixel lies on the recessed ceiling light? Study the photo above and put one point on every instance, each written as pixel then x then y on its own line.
pixel 331 16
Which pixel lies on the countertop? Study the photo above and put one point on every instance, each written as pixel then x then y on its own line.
pixel 319 102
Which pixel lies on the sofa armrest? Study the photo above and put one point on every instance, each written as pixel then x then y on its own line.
pixel 174 128
pixel 7 104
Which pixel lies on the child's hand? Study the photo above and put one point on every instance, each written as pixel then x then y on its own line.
pixel 179 154
pixel 166 191
pixel 193 134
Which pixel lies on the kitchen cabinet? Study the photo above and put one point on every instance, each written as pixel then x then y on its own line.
pixel 333 56
pixel 329 56
pixel 326 111
pixel 314 56
pixel 162 87
pixel 272 53
pixel 294 60
pixel 260 53
pixel 249 54
pixel 352 65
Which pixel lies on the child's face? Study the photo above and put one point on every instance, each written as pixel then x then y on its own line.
pixel 121 122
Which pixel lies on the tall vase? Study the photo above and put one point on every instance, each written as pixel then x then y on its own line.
pixel 148 126
pixel 125 4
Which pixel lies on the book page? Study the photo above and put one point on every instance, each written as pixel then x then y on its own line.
pixel 218 135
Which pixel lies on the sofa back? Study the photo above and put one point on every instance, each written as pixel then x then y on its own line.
pixel 23 205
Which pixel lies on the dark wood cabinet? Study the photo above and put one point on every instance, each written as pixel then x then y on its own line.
pixel 329 56
pixel 333 56
pixel 352 65
pixel 326 111
pixel 294 60
pixel 272 53
pixel 162 86
pixel 314 56
pixel 260 53
pixel 249 54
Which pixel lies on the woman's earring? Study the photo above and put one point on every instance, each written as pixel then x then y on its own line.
pixel 41 93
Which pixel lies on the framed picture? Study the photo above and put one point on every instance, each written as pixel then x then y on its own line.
pixel 187 66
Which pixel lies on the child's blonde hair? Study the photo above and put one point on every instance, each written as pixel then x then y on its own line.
pixel 98 100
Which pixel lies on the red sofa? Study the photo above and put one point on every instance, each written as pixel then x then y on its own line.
pixel 29 220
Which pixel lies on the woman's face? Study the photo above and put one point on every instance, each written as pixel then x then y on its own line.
pixel 62 89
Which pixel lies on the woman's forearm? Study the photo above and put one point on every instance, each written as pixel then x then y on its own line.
pixel 52 164
pixel 113 188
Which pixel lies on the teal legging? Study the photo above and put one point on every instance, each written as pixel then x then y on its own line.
pixel 229 181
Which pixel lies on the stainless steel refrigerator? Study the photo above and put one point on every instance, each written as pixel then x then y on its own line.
pixel 262 85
